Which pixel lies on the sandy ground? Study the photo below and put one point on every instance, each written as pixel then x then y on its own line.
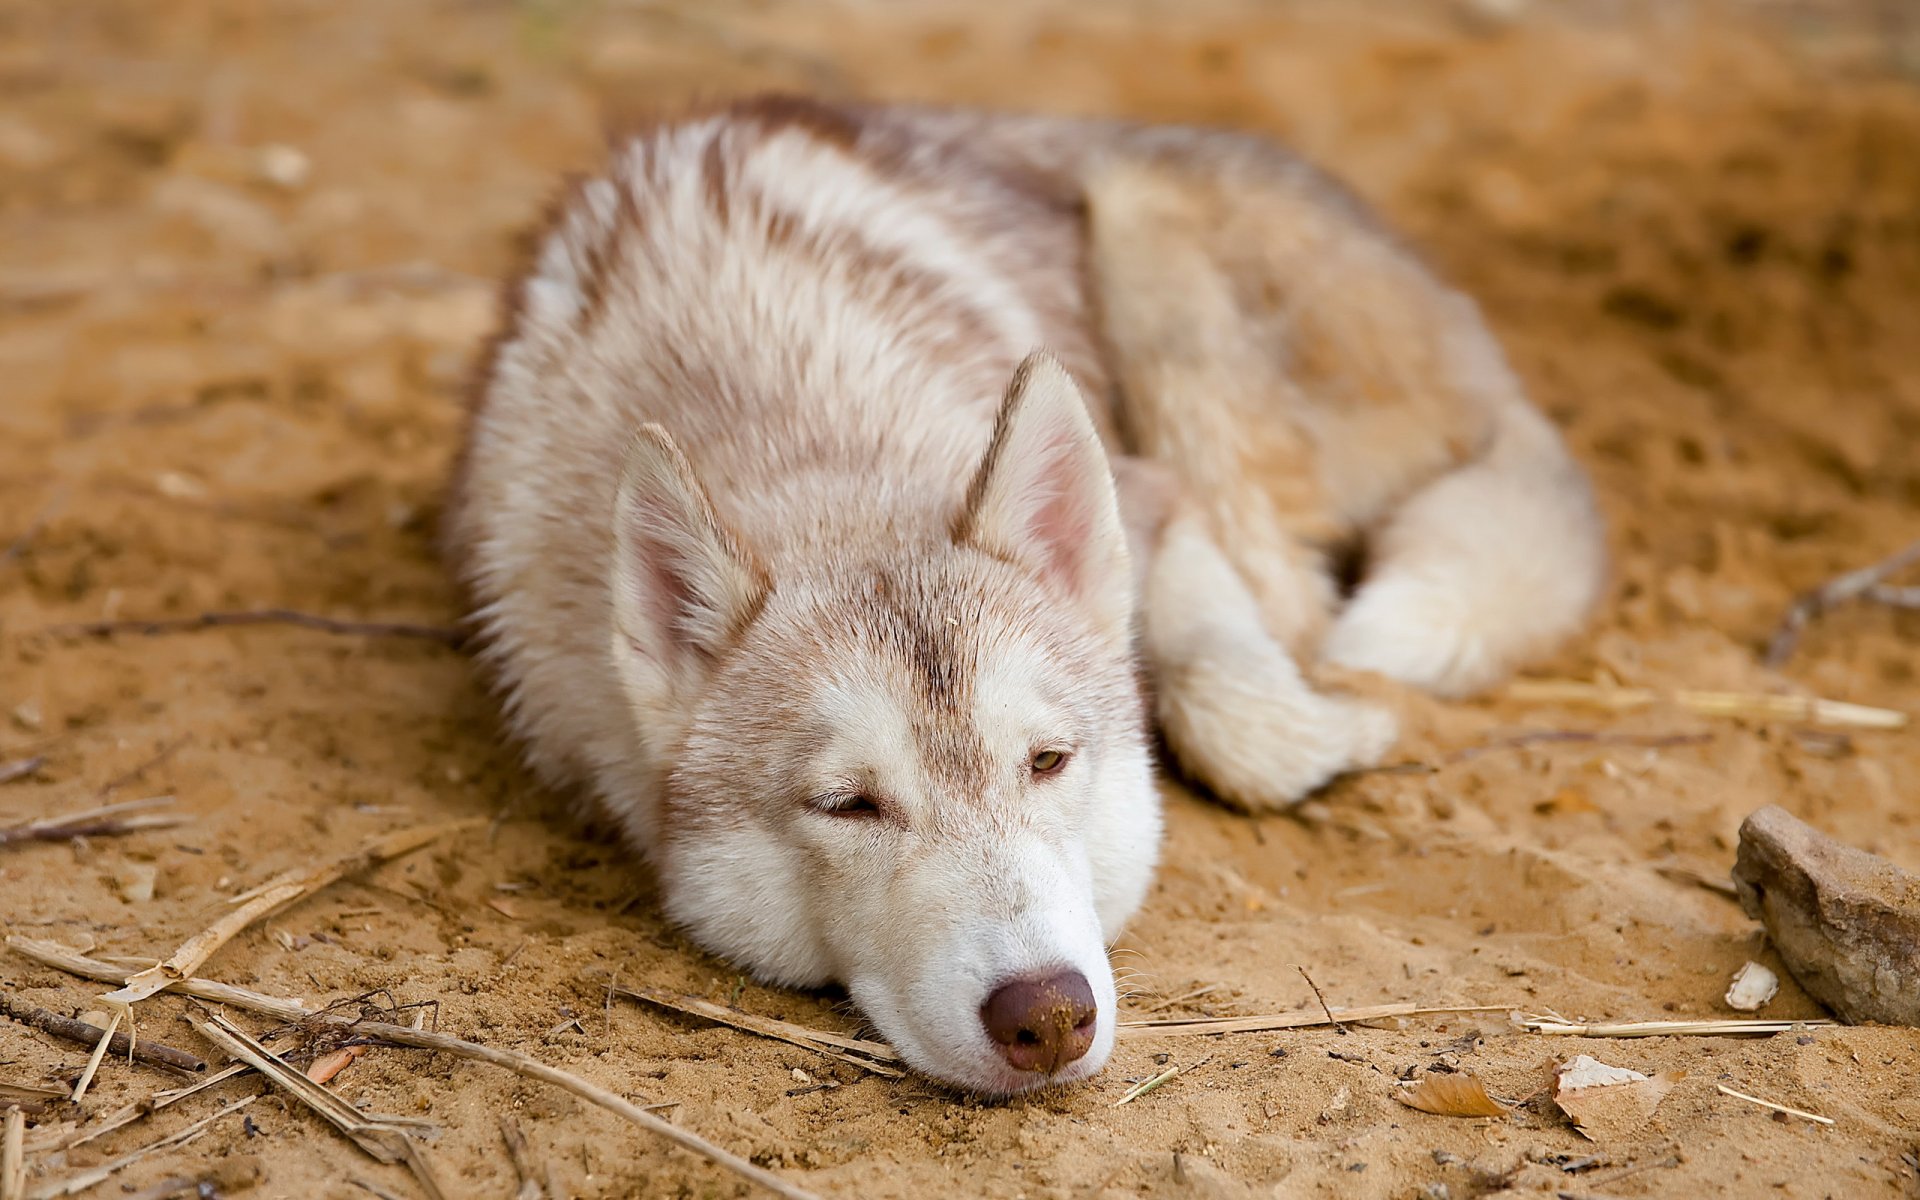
pixel 249 252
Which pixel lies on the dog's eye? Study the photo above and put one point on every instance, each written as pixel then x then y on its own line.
pixel 1049 762
pixel 856 804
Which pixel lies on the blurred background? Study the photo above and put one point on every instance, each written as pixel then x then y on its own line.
pixel 249 250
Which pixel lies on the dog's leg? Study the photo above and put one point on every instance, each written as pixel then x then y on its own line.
pixel 1491 563
pixel 1230 700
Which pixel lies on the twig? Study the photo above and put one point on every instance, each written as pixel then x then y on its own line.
pixel 47 1021
pixel 1147 1085
pixel 1752 705
pixel 522 1156
pixel 323 1069
pixel 1579 737
pixel 271 897
pixel 1192 1026
pixel 855 1051
pixel 261 616
pixel 1158 1081
pixel 165 752
pixel 34 1101
pixel 53 954
pixel 95 1175
pixel 385 1142
pixel 284 1009
pixel 13 1158
pixel 1556 1027
pixel 1331 1020
pixel 106 820
pixel 135 1111
pixel 99 1052
pixel 21 768
pixel 1867 583
pixel 1627 1172
pixel 1779 1108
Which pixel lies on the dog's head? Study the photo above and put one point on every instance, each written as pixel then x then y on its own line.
pixel 924 775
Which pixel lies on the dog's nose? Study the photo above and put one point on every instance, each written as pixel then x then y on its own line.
pixel 1041 1023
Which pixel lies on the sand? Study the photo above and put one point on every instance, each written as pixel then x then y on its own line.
pixel 250 251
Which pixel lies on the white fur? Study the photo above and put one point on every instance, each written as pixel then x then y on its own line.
pixel 770 557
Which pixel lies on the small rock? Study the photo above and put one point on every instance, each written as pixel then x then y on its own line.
pixel 27 715
pixel 136 880
pixel 1753 985
pixel 283 166
pixel 1846 923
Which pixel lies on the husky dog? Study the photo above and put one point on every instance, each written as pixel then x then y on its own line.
pixel 853 488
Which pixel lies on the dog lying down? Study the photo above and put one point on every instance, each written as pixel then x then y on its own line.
pixel 851 487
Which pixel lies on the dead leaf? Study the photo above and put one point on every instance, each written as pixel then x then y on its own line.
pixel 1459 1095
pixel 1609 1103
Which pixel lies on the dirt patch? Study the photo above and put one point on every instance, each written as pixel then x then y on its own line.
pixel 251 251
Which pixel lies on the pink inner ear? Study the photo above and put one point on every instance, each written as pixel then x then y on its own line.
pixel 1062 519
pixel 665 592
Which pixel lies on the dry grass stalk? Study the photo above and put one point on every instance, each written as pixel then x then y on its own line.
pixel 1757 706
pixel 262 616
pixel 99 1052
pixel 105 820
pixel 94 1176
pixel 34 1101
pixel 58 1026
pixel 20 768
pixel 68 1138
pixel 383 1141
pixel 1559 1027
pixel 868 1056
pixel 1191 1026
pixel 13 1156
pixel 53 954
pixel 1779 1108
pixel 523 1165
pixel 269 898
pixel 65 959
pixel 1157 1082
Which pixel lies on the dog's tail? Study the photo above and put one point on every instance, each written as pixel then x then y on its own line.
pixel 1490 564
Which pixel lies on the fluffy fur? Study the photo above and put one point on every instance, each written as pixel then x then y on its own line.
pixel 787 546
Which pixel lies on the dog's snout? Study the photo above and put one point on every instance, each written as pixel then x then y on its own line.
pixel 1041 1023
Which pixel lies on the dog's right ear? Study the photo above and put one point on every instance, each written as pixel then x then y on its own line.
pixel 683 585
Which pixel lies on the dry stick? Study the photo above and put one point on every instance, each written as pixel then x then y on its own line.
pixel 855 1051
pixel 1580 737
pixel 21 768
pixel 13 1158
pixel 99 1052
pixel 1554 1026
pixel 95 1175
pixel 165 752
pixel 1866 583
pixel 1752 705
pixel 1627 1172
pixel 1322 999
pixel 134 1112
pixel 1196 1026
pixel 1779 1108
pixel 106 820
pixel 384 1142
pixel 522 1156
pixel 47 1021
pixel 268 898
pixel 54 955
pixel 261 616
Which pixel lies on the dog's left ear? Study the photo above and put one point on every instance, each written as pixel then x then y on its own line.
pixel 1043 496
